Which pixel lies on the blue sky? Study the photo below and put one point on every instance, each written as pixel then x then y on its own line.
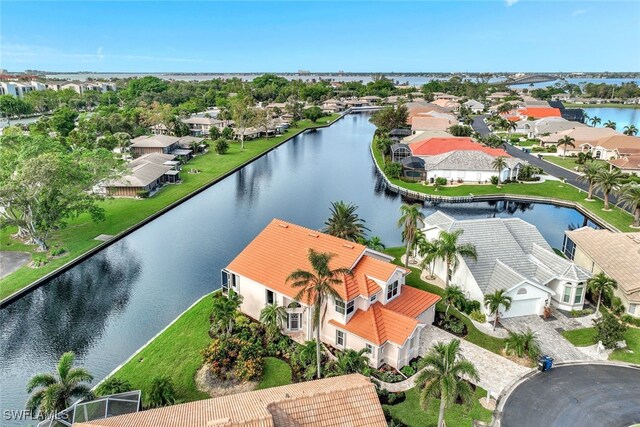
pixel 213 36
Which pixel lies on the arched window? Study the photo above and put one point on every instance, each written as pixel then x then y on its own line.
pixel 522 291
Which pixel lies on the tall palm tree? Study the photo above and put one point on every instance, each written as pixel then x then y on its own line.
pixel 610 124
pixel 630 130
pixel 452 295
pixel 607 181
pixel 428 251
pixel 316 287
pixel 601 284
pixel 410 221
pixel 589 175
pixel 224 312
pixel 448 249
pixel 494 301
pixel 629 196
pixel 566 140
pixel 442 377
pixel 55 391
pixel 595 121
pixel 272 316
pixel 510 126
pixel 499 164
pixel 349 362
pixel 344 222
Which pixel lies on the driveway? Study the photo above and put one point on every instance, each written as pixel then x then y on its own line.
pixel 496 372
pixel 590 395
pixel 549 339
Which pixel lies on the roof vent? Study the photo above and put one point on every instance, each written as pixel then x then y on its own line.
pixel 313 234
pixel 346 245
pixel 283 225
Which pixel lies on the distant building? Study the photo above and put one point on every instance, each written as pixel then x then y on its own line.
pixel 201 126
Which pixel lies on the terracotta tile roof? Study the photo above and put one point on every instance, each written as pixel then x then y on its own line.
pixel 436 146
pixel 619 141
pixel 282 247
pixel 412 302
pixel 514 118
pixel 618 254
pixel 393 322
pixel 540 112
pixel 631 162
pixel 348 400
pixel 430 123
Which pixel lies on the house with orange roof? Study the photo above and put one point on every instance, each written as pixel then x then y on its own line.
pixel 581 135
pixel 628 163
pixel 612 146
pixel 375 310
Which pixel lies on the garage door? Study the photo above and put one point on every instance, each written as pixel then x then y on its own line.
pixel 522 307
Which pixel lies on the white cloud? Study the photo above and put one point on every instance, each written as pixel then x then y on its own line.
pixel 511 2
pixel 578 12
pixel 100 52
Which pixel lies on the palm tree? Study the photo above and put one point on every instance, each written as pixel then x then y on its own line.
pixel 448 249
pixel 629 196
pixel 442 377
pixel 589 175
pixel 499 164
pixel 630 130
pixel 55 391
pixel 316 287
pixel 224 312
pixel 344 222
pixel 607 181
pixel 611 125
pixel 410 220
pixel 494 301
pixel 601 284
pixel 595 121
pixel 452 295
pixel 162 392
pixel 427 251
pixel 566 140
pixel 522 343
pixel 349 362
pixel 272 316
pixel 510 126
pixel 375 243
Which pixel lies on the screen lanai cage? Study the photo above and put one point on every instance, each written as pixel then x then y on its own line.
pixel 101 407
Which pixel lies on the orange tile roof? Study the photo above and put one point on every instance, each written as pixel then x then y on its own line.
pixel 540 112
pixel 619 141
pixel 514 118
pixel 348 400
pixel 393 322
pixel 631 162
pixel 436 146
pixel 282 248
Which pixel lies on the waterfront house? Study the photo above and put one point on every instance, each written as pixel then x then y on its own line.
pixel 147 144
pixel 615 254
pixel 376 311
pixel 628 163
pixel 514 257
pixel 612 146
pixel 332 106
pixel 429 123
pixel 581 135
pixel 201 126
pixel 348 400
pixel 549 125
pixel 146 175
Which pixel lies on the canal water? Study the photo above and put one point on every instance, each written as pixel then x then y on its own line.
pixel 620 116
pixel 108 306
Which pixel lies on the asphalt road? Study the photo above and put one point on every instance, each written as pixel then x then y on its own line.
pixel 549 168
pixel 580 395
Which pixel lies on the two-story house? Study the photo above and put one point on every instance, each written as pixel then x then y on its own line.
pixel 376 311
pixel 512 256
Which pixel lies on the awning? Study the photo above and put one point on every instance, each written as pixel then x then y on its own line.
pixel 172 172
pixel 181 152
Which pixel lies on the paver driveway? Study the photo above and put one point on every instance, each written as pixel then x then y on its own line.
pixel 550 340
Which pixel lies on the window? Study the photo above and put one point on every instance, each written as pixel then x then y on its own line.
pixel 368 348
pixel 392 290
pixel 339 306
pixel 373 298
pixel 350 307
pixel 293 321
pixel 578 298
pixel 270 297
pixel 340 339
pixel 569 248
pixel 567 295
pixel 522 291
pixel 229 281
pixel 632 308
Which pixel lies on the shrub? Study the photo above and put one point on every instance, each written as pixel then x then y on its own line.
pixel 408 371
pixel 514 139
pixel 616 306
pixel 609 330
pixel 222 146
pixel 627 318
pixel 162 392
pixel 393 170
pixel 39 260
pixel 113 385
pixel 233 357
pixel 395 398
pixel 454 325
pixel 580 313
pixel 478 316
pixel 538 149
pixel 144 194
pixel 388 376
pixel 57 250
pixel 494 179
pixel 470 306
pixel 552 149
pixel 522 343
pixel 441 181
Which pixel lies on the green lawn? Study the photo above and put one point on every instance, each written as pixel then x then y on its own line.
pixel 176 353
pixel 121 214
pixel 527 143
pixel 549 190
pixel 567 162
pixel 276 372
pixel 586 337
pixel 411 413
pixel 493 344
